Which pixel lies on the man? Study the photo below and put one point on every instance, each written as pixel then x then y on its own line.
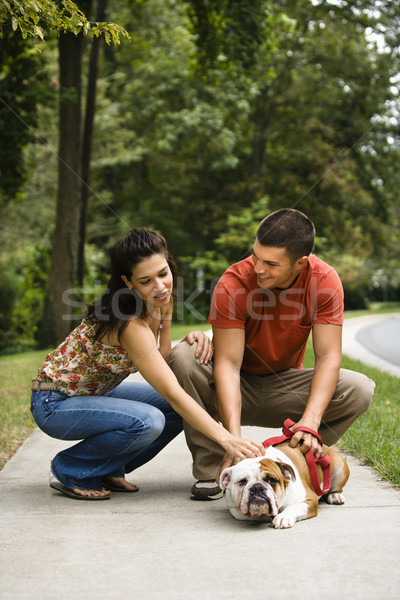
pixel 263 310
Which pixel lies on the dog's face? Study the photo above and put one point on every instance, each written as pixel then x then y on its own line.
pixel 256 488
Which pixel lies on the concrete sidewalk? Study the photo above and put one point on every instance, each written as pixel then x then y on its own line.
pixel 158 544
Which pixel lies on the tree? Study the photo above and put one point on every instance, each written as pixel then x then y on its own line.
pixel 73 181
pixel 63 258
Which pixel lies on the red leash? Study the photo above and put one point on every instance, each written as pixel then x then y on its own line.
pixel 312 462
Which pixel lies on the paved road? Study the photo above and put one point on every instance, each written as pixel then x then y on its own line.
pixel 374 340
pixel 382 339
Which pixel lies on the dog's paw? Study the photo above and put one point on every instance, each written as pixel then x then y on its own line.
pixel 282 521
pixel 335 498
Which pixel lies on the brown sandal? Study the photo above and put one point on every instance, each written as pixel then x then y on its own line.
pixel 56 485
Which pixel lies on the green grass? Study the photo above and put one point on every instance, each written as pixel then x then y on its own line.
pixel 374 437
pixel 375 308
pixel 180 330
pixel 16 373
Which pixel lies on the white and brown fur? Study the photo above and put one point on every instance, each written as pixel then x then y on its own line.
pixel 277 487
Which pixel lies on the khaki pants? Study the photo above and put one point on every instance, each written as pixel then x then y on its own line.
pixel 267 400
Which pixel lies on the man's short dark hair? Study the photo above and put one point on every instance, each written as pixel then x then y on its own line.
pixel 288 228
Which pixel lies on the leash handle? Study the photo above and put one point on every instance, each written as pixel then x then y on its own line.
pixel 289 423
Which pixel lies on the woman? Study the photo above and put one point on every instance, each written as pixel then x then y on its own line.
pixel 80 392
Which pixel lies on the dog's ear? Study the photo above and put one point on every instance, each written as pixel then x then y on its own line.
pixel 225 478
pixel 287 471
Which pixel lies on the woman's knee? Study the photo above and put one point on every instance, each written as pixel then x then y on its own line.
pixel 150 422
pixel 156 422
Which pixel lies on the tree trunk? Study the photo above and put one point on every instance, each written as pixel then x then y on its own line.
pixel 63 261
pixel 87 141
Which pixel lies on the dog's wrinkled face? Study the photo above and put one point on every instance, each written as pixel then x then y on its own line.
pixel 256 488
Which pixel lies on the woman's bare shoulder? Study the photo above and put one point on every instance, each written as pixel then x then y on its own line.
pixel 113 339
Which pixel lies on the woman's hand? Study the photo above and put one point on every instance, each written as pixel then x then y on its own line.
pixel 205 347
pixel 238 448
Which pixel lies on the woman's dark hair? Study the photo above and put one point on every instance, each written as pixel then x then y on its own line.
pixel 290 229
pixel 119 303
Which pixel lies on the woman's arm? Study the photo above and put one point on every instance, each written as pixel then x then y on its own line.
pixel 139 342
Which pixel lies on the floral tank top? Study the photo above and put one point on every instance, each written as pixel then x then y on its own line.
pixel 83 366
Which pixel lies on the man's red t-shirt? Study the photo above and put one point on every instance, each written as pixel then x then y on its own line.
pixel 277 322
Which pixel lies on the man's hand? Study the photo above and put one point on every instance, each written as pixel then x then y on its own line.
pixel 305 440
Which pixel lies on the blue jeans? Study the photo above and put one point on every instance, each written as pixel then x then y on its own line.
pixel 119 431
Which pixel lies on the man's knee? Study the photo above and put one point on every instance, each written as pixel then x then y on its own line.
pixel 182 358
pixel 194 377
pixel 187 367
pixel 360 387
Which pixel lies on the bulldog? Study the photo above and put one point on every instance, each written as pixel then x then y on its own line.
pixel 277 487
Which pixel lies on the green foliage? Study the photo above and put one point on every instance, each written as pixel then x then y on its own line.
pixel 178 144
pixel 231 32
pixel 21 299
pixel 8 295
pixel 235 242
pixel 23 84
pixel 328 166
pixel 32 17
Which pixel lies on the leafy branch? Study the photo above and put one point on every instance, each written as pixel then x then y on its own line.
pixel 33 17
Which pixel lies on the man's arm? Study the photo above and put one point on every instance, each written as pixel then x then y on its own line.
pixel 327 343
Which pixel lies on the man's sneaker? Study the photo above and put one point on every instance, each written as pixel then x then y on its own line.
pixel 206 490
